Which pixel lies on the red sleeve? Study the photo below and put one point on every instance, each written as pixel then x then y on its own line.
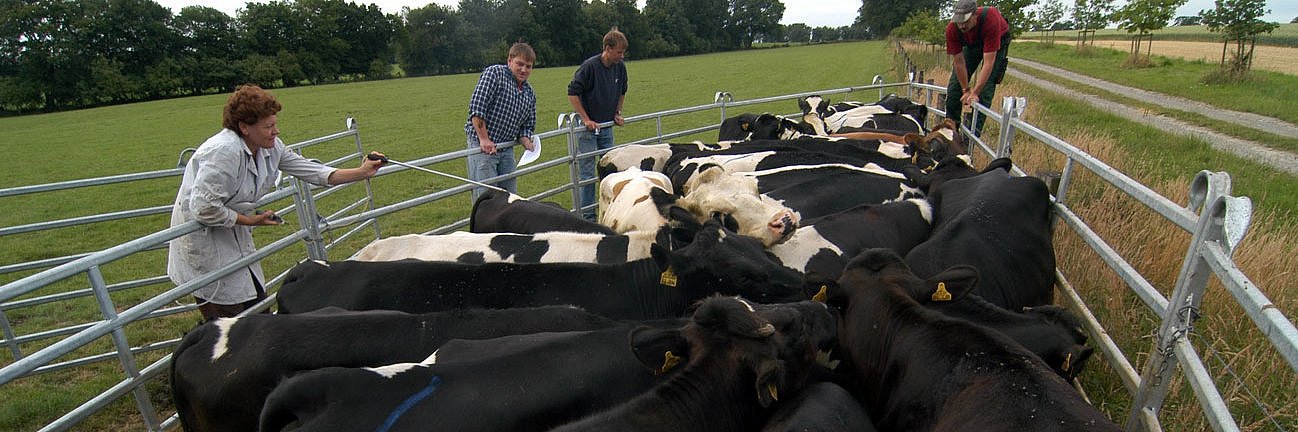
pixel 953 43
pixel 994 27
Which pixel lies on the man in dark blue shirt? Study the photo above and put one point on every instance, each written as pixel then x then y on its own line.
pixel 596 94
pixel 502 109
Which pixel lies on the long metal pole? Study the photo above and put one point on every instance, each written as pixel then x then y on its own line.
pixel 416 167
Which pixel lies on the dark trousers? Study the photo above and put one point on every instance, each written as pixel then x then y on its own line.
pixel 213 311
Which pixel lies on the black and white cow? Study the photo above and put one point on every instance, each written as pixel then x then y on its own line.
pixel 824 246
pixel 917 369
pixel 550 247
pixel 892 113
pixel 1000 225
pixel 735 198
pixel 500 212
pixel 627 204
pixel 716 260
pixel 816 191
pixel 742 357
pixel 746 127
pixel 514 383
pixel 222 370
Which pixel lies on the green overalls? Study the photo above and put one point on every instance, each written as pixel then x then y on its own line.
pixel 973 56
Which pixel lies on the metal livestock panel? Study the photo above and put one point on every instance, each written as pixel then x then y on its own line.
pixel 1214 254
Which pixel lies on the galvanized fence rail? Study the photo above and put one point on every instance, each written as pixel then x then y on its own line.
pixel 1216 219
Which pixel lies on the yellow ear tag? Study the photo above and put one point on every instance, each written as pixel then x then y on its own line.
pixel 1067 359
pixel 743 125
pixel 669 361
pixel 820 296
pixel 775 394
pixel 668 278
pixel 941 294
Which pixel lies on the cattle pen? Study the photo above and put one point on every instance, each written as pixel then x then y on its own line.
pixel 332 220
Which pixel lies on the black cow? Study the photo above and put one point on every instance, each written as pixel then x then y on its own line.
pixel 222 370
pixel 999 224
pixel 821 407
pixel 917 369
pixel 741 358
pixel 499 212
pixel 716 260
pixel 515 383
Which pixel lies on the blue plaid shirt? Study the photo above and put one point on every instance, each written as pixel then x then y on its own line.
pixel 508 109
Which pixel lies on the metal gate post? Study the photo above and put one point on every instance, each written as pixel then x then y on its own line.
pixel 1183 309
pixel 123 346
pixel 1011 108
pixel 309 220
pixel 569 120
pixel 369 189
pixel 722 98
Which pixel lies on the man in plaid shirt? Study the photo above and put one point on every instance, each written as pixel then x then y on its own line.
pixel 502 109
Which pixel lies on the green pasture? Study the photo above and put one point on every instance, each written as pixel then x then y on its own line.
pixel 1284 35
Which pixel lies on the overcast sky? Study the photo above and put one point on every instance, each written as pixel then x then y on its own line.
pixel 815 13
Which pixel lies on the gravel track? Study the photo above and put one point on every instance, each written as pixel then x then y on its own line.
pixel 1278 159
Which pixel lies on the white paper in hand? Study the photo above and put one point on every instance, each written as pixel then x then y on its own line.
pixel 532 155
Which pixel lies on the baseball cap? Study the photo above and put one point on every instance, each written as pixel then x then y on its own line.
pixel 964 9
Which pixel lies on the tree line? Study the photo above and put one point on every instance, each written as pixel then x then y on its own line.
pixel 69 54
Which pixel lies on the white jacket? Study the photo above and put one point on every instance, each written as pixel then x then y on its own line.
pixel 223 179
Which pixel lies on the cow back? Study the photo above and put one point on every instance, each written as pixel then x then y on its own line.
pixel 500 212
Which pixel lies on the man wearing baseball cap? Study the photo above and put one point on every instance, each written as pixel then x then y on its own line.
pixel 976 36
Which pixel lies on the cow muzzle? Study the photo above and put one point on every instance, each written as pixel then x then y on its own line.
pixel 782 226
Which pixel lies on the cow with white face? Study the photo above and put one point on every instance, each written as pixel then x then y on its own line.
pixel 626 203
pixel 714 192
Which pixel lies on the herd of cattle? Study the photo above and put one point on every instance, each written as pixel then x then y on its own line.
pixel 846 271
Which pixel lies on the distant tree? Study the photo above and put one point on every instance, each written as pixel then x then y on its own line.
pixel 1048 16
pixel 797 33
pixel 923 25
pixel 432 44
pixel 1191 20
pixel 1091 15
pixel 1015 13
pixel 826 34
pixel 209 44
pixel 675 33
pixel 1142 17
pixel 878 17
pixel 1294 20
pixel 1238 22
pixel 754 19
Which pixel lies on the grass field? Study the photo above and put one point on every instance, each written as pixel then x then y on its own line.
pixel 417 117
pixel 1284 35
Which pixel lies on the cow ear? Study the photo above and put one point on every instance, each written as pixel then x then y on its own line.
pixel 951 284
pixel 659 350
pixel 770 377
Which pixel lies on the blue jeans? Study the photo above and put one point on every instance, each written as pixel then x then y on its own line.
pixel 587 142
pixel 485 166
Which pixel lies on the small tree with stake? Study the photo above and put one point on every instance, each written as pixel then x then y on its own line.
pixel 1142 17
pixel 1238 22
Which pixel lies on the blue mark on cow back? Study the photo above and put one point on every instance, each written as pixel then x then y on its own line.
pixel 408 403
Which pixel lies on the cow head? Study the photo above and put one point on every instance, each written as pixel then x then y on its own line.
pixel 646 157
pixel 626 202
pixel 775 346
pixel 1066 361
pixel 719 260
pixel 814 108
pixel 716 193
pixel 943 142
